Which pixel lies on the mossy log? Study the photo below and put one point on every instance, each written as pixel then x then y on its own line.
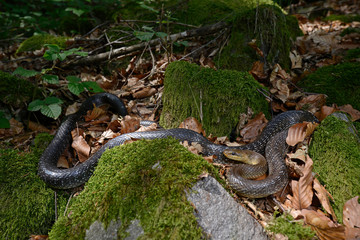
pixel 336 154
pixel 215 98
pixel 37 42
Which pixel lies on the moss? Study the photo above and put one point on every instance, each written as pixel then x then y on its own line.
pixel 343 18
pixel 144 180
pixel 336 155
pixel 16 91
pixel 27 205
pixel 349 30
pixel 353 53
pixel 340 83
pixel 221 95
pixel 37 42
pixel 42 140
pixel 294 230
pixel 273 31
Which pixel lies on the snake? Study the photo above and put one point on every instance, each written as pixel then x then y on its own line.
pixel 271 143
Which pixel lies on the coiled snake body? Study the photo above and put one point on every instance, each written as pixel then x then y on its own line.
pixel 271 143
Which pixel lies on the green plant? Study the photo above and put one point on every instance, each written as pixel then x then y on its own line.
pixel 4 122
pixel 51 106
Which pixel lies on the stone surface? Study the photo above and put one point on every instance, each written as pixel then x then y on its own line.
pixel 219 215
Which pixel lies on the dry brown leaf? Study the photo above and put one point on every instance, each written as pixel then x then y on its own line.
pixel 62 162
pixel 253 128
pixel 192 124
pixel 351 213
pixel 95 113
pixel 37 127
pixel 324 112
pixel 151 127
pixel 296 59
pixel 16 127
pixel 325 228
pixel 298 132
pixel 129 124
pixel 81 147
pixel 355 114
pixel 323 196
pixel 299 154
pixel 144 92
pixel 312 102
pixel 71 109
pixel 114 125
pixel 303 189
pixel 257 71
pixel 254 46
pixel 278 78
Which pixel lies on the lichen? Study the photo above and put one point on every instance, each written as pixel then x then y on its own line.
pixel 216 98
pixel 16 91
pixel 273 32
pixel 37 42
pixel 144 180
pixel 341 83
pixel 286 225
pixel 336 155
pixel 27 204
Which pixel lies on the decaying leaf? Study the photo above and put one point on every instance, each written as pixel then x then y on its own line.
pixel 312 102
pixel 298 132
pixel 351 213
pixel 303 189
pixel 257 71
pixel 194 147
pixel 151 127
pixel 129 124
pixel 62 162
pixel 192 124
pixel 325 228
pixel 95 113
pixel 296 59
pixel 355 114
pixel 323 196
pixel 144 92
pixel 254 46
pixel 34 126
pixel 324 112
pixel 81 147
pixel 253 128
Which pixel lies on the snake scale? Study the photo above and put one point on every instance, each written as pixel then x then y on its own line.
pixel 271 143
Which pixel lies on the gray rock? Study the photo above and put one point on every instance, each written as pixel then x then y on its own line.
pixel 219 215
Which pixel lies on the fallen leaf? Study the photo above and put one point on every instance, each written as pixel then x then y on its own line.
pixel 325 228
pixel 257 71
pixel 62 162
pixel 298 132
pixel 254 46
pixel 81 147
pixel 94 113
pixel 323 196
pixel 312 103
pixel 253 128
pixel 296 59
pixel 151 127
pixel 144 92
pixel 192 124
pixel 129 124
pixel 37 127
pixel 355 114
pixel 351 213
pixel 302 189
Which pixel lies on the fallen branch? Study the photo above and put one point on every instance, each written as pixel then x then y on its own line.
pixel 206 30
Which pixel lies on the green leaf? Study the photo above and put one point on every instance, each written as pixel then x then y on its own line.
pixel 77 12
pixel 83 54
pixel 92 87
pixel 73 79
pixel 161 34
pixel 143 36
pixel 4 123
pixel 184 43
pixel 76 88
pixel 62 56
pixel 53 48
pixel 53 79
pixel 148 8
pixel 36 105
pixel 52 100
pixel 25 73
pixel 50 56
pixel 150 29
pixel 52 110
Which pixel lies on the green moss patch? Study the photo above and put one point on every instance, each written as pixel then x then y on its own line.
pixel 341 83
pixel 144 180
pixel 336 155
pixel 273 32
pixel 16 91
pixel 353 53
pixel 294 230
pixel 218 96
pixel 27 205
pixel 37 42
pixel 343 18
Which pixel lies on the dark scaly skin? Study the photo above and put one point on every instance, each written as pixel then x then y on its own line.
pixel 73 177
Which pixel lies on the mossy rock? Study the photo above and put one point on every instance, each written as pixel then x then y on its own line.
pixel 273 31
pixel 341 83
pixel 145 180
pixel 221 96
pixel 336 155
pixel 343 18
pixel 37 42
pixel 27 205
pixel 16 91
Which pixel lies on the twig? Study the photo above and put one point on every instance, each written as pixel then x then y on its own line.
pixel 92 30
pixel 206 30
pixel 157 22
